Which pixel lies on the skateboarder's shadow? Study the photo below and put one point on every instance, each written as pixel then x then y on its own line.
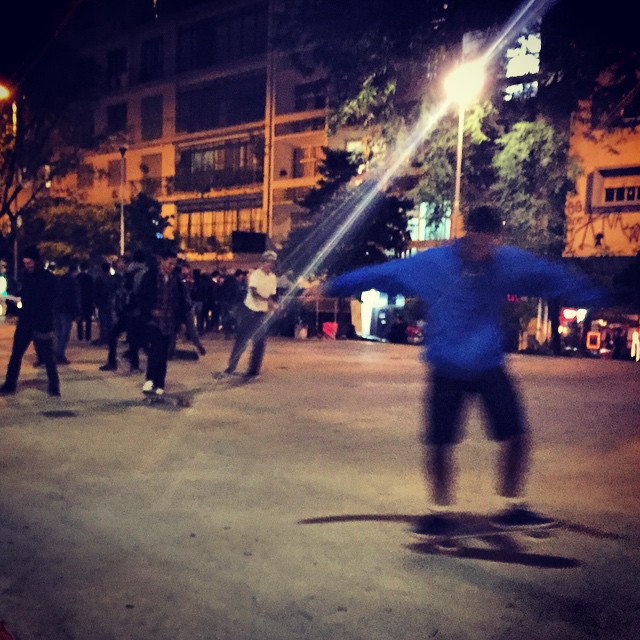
pixel 480 541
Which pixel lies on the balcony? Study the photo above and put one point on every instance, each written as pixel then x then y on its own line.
pixel 205 181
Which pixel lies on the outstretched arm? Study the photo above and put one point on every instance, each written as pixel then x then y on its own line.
pixel 530 275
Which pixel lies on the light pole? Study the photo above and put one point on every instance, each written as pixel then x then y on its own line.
pixel 462 85
pixel 123 151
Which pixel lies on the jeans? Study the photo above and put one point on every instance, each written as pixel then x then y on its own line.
pixel 158 356
pixel 44 352
pixel 83 324
pixel 62 323
pixel 251 327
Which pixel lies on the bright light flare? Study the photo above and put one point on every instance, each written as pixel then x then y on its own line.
pixel 465 82
pixel 4 92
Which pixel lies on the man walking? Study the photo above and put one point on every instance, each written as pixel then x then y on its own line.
pixel 66 306
pixel 262 288
pixel 163 303
pixel 35 323
pixel 464 286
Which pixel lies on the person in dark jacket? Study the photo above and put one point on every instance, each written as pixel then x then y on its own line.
pixel 463 286
pixel 35 323
pixel 66 306
pixel 86 286
pixel 163 305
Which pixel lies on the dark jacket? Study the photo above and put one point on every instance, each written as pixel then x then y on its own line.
pixel 37 294
pixel 67 298
pixel 148 298
pixel 86 285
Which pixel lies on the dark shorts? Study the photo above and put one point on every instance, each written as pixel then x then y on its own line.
pixel 444 403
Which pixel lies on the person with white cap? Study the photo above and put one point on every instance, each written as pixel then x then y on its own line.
pixel 252 325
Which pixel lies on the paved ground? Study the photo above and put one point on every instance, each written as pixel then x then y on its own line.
pixel 120 520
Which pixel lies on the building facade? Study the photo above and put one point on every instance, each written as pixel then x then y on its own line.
pixel 203 115
pixel 603 216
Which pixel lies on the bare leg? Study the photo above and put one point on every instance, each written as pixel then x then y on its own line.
pixel 439 471
pixel 513 466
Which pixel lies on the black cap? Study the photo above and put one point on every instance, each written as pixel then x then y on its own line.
pixel 31 252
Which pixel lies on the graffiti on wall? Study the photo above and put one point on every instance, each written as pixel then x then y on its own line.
pixel 610 234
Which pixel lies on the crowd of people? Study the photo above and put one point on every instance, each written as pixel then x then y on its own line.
pixel 147 300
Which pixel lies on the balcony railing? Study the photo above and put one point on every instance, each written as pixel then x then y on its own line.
pixel 204 181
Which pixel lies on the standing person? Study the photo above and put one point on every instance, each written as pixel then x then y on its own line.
pixel 212 302
pixel 464 286
pixel 66 306
pixel 35 323
pixel 106 285
pixel 127 313
pixel 228 293
pixel 163 303
pixel 86 287
pixel 189 320
pixel 262 288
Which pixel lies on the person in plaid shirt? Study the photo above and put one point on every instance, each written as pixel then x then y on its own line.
pixel 163 303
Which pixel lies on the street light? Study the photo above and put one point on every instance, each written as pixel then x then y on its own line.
pixel 123 151
pixel 462 85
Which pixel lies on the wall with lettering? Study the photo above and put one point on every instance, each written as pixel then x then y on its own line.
pixel 603 216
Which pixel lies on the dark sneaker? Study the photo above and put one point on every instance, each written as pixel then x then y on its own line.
pixel 521 517
pixel 54 393
pixel 109 367
pixel 202 351
pixel 435 525
pixel 5 390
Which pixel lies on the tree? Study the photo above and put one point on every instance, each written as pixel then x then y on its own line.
pixel 379 233
pixel 534 176
pixel 144 224
pixel 53 127
pixel 60 227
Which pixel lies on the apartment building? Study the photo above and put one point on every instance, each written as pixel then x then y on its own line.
pixel 603 216
pixel 203 115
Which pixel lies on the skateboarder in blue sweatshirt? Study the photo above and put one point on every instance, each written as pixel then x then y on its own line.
pixel 463 286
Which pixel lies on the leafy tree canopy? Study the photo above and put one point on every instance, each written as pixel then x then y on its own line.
pixel 379 233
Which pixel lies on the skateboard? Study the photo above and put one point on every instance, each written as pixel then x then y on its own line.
pixel 177 400
pixel 477 527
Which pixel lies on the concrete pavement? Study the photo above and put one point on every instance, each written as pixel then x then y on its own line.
pixel 122 520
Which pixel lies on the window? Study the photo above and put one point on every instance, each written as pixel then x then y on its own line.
pixel 151 169
pixel 223 38
pixel 117 68
pixel 204 230
pixel 221 103
pixel 117 118
pixel 152 59
pixel 522 60
pixel 306 161
pixel 310 95
pixel 151 117
pixel 226 165
pixel 115 171
pixel 85 176
pixel 614 189
pixel 423 227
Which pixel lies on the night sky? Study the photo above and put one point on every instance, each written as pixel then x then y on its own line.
pixel 28 28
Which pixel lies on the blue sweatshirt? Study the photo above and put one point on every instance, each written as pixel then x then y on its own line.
pixel 464 335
